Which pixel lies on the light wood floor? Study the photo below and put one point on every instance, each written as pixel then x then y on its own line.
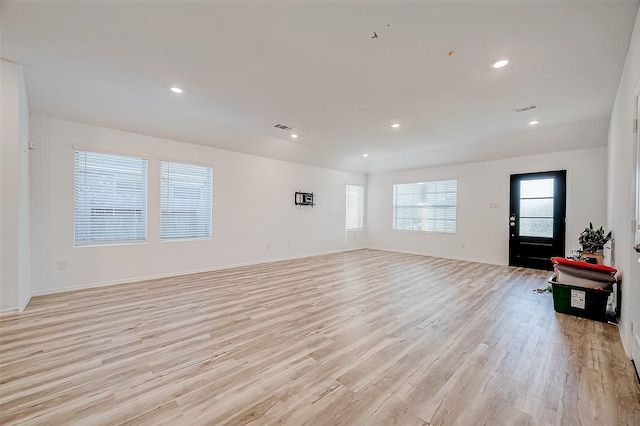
pixel 358 338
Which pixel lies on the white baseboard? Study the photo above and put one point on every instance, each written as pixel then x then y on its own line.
pixel 16 310
pixel 630 341
pixel 623 338
pixel 181 273
pixel 440 256
pixel 231 266
pixel 24 305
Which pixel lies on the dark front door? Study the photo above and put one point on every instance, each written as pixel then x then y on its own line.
pixel 537 219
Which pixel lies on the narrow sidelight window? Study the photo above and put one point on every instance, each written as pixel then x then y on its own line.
pixel 355 207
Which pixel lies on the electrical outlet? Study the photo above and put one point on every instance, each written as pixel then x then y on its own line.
pixel 463 245
pixel 62 265
pixel 268 246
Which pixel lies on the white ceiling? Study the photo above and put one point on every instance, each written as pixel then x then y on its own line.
pixel 245 66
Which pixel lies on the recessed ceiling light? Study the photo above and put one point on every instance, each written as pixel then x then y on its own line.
pixel 365 155
pixel 176 90
pixel 395 125
pixel 533 123
pixel 499 64
pixel 294 135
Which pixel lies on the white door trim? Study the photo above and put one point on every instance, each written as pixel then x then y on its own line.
pixel 635 266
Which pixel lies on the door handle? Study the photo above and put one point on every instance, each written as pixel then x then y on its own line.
pixel 512 224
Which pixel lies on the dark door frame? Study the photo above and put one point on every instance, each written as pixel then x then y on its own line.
pixel 554 246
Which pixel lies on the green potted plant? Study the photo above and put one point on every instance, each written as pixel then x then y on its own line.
pixel 592 242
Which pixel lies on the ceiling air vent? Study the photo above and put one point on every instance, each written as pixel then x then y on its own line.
pixel 527 108
pixel 282 127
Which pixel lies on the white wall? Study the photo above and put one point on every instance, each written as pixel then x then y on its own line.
pixel 621 199
pixel 253 206
pixel 483 230
pixel 15 290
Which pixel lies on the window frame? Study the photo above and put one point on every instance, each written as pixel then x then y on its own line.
pixel 144 206
pixel 424 206
pixel 360 208
pixel 181 163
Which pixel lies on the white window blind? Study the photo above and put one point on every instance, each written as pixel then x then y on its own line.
pixel 425 206
pixel 185 201
pixel 110 199
pixel 355 206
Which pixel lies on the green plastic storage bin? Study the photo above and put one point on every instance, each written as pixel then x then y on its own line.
pixel 580 301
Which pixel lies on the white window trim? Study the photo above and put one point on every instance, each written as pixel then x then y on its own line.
pixel 108 243
pixel 161 195
pixel 360 209
pixel 393 224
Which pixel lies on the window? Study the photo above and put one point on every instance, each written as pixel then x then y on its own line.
pixel 536 207
pixel 355 203
pixel 425 206
pixel 110 199
pixel 185 201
